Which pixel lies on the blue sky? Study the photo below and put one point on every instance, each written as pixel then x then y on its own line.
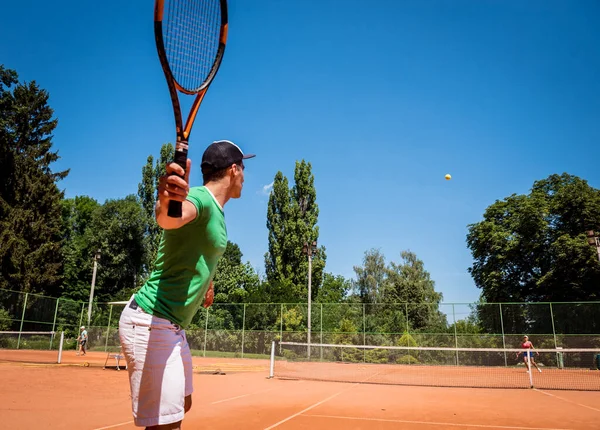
pixel 383 98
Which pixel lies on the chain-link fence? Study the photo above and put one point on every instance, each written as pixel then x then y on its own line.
pixel 247 329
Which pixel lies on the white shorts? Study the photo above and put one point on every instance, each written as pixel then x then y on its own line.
pixel 159 365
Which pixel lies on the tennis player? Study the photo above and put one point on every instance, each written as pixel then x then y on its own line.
pixel 82 340
pixel 151 328
pixel 528 354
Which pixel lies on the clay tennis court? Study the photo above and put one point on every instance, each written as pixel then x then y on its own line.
pixel 38 394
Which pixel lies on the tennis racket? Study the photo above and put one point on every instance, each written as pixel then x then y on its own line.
pixel 190 39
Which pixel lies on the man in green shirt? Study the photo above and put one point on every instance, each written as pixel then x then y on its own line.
pixel 151 328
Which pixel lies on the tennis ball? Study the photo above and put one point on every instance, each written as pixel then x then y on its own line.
pixel 448 177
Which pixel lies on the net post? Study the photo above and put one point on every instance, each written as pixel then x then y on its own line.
pixel 243 329
pixel 22 319
pixel 553 328
pixel 54 323
pixel 272 364
pixel 528 361
pixel 60 346
pixel 455 334
pixel 503 339
pixel 205 332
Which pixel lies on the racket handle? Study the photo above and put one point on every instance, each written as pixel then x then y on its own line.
pixel 181 150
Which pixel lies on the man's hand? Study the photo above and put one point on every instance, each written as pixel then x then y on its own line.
pixel 209 296
pixel 174 187
pixel 175 184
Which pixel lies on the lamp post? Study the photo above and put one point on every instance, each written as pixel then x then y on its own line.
pixel 309 250
pixel 96 258
pixel 594 240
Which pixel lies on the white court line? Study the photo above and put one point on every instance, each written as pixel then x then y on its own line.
pixel 323 401
pixel 113 426
pixel 431 423
pixel 567 400
pixel 239 397
pixel 305 410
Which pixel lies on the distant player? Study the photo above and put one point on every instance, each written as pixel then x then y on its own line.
pixel 82 340
pixel 528 354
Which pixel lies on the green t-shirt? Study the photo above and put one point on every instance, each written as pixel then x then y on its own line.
pixel 186 262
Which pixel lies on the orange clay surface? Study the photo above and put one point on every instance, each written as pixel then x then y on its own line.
pixel 36 394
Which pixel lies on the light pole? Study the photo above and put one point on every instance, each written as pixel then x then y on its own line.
pixel 96 258
pixel 594 240
pixel 310 251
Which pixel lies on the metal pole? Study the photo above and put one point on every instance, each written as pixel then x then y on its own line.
pixel 364 335
pixel 89 318
pixel 321 349
pixel 455 334
pixel 503 340
pixel 22 318
pixel 553 328
pixel 108 328
pixel 309 296
pixel 54 323
pixel 407 328
pixel 243 329
pixel 205 332
pixel 81 316
pixel 281 328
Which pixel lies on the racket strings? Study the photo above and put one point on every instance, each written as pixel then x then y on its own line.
pixel 191 34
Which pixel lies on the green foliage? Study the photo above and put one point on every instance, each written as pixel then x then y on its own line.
pixel 382 287
pixel 118 230
pixel 77 250
pixel 292 216
pixel 30 208
pixel 5 320
pixel 534 248
pixel 147 193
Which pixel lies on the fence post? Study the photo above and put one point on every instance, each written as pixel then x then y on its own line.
pixel 54 323
pixel 553 328
pixel 455 334
pixel 407 324
pixel 503 340
pixel 243 329
pixel 364 334
pixel 108 328
pixel 22 318
pixel 205 332
pixel 321 348
pixel 281 328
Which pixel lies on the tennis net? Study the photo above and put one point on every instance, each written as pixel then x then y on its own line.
pixel 566 369
pixel 31 346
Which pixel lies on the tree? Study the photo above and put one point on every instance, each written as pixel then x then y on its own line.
pixel 533 247
pixel 77 215
pixel 292 216
pixel 30 201
pixel 334 289
pixel 398 297
pixel 117 229
pixel 371 278
pixel 410 283
pixel 147 193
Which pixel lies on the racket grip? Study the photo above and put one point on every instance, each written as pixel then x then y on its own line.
pixel 174 210
pixel 181 150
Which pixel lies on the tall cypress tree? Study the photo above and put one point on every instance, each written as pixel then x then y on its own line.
pixel 147 193
pixel 292 216
pixel 30 201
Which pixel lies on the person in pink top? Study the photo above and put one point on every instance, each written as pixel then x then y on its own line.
pixel 527 354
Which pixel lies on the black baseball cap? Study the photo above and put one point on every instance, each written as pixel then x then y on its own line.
pixel 222 154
